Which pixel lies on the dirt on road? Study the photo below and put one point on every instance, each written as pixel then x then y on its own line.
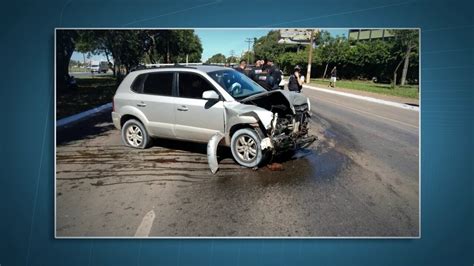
pixel 332 188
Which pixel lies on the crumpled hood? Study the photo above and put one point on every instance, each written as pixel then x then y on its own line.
pixel 294 98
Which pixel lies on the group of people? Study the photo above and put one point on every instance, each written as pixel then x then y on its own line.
pixel 264 72
pixel 268 75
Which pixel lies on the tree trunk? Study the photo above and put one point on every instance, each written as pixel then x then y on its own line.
pixel 118 72
pixel 325 70
pixel 168 52
pixel 151 58
pixel 64 49
pixel 405 67
pixel 395 73
pixel 109 63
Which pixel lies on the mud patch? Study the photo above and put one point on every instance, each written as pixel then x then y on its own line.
pixel 335 134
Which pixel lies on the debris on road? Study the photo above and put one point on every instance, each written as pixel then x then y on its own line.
pixel 275 167
pixel 98 183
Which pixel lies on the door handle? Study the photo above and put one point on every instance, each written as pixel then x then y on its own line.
pixel 142 104
pixel 183 108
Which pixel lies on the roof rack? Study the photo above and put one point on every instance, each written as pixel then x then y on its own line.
pixel 176 65
pixel 190 65
pixel 219 64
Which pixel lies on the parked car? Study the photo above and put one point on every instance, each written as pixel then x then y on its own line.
pixel 214 105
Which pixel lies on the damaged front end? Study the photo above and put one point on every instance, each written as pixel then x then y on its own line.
pixel 281 119
pixel 288 129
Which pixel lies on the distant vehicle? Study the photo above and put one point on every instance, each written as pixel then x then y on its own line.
pixel 99 67
pixel 210 104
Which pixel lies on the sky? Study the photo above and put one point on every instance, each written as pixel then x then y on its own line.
pixel 224 40
pixel 221 41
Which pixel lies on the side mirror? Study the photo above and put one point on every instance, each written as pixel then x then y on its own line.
pixel 210 95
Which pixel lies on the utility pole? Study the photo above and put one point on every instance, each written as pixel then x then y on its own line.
pixel 310 57
pixel 231 57
pixel 249 41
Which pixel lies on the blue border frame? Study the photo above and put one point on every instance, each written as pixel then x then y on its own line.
pixel 27 159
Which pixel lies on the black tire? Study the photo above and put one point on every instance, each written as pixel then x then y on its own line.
pixel 242 143
pixel 134 135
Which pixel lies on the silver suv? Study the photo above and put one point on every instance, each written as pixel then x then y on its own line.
pixel 214 105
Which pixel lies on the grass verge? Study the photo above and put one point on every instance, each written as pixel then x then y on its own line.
pixel 408 91
pixel 91 92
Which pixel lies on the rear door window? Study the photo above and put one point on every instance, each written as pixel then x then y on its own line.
pixel 192 85
pixel 159 84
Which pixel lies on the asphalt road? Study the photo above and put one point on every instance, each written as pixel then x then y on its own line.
pixel 89 74
pixel 360 179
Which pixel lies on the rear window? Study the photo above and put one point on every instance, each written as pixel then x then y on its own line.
pixel 154 83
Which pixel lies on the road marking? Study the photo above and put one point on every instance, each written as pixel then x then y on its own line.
pixel 366 98
pixel 144 228
pixel 364 112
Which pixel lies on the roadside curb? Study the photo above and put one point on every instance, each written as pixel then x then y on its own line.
pixel 366 98
pixel 74 118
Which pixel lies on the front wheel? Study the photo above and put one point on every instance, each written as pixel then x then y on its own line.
pixel 245 147
pixel 135 135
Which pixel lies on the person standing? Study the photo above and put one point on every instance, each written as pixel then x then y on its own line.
pixel 295 83
pixel 258 74
pixel 273 75
pixel 332 83
pixel 242 66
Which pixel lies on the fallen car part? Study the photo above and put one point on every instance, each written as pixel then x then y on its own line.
pixel 275 167
pixel 212 151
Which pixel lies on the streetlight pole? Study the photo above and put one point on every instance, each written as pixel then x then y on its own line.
pixel 310 57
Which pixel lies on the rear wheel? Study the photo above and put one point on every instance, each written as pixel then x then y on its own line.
pixel 245 147
pixel 135 135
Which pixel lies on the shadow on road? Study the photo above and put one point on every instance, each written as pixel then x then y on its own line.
pixel 222 152
pixel 100 123
pixel 87 129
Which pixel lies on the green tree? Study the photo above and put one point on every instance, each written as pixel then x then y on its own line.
pixel 268 46
pixel 95 42
pixel 232 59
pixel 126 47
pixel 177 45
pixel 334 51
pixel 407 42
pixel 288 60
pixel 370 59
pixel 216 59
pixel 249 56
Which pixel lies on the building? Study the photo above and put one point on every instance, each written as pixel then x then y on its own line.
pixel 369 34
pixel 296 36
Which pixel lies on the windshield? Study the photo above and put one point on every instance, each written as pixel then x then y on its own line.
pixel 235 83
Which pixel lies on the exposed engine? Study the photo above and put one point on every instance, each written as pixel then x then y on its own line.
pixel 289 128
